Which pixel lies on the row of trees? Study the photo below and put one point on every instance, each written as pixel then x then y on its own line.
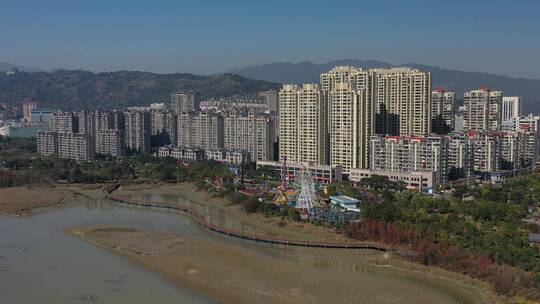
pixel 485 237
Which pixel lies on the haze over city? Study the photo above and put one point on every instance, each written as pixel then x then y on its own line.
pixel 206 37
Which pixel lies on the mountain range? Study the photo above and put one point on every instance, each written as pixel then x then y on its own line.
pixel 457 81
pixel 6 66
pixel 73 89
pixel 78 90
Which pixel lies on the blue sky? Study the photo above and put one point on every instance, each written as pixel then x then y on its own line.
pixel 207 36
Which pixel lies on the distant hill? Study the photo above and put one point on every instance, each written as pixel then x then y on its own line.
pixel 458 81
pixel 6 66
pixel 74 90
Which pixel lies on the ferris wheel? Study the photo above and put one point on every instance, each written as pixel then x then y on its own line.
pixel 307 192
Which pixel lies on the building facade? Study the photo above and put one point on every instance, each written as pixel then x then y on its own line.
pixel 303 124
pixel 76 146
pixel 482 110
pixel 47 143
pixel 442 111
pixel 63 122
pixel 184 101
pixel 111 142
pixel 138 131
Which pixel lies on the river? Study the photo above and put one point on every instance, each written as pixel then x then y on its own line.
pixel 39 263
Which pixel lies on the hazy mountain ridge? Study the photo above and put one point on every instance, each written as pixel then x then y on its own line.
pixel 458 81
pixel 7 66
pixel 75 90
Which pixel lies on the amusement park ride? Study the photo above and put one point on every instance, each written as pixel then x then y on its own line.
pixel 303 192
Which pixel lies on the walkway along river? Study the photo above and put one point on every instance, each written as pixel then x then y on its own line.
pixel 201 220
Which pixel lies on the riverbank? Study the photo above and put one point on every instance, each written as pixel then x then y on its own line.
pixel 32 199
pixel 230 273
pixel 269 226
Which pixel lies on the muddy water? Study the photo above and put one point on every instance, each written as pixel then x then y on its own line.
pixel 41 264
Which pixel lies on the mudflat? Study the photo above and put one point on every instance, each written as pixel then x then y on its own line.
pixel 230 273
pixel 18 201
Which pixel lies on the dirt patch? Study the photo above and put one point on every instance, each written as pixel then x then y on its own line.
pixel 133 241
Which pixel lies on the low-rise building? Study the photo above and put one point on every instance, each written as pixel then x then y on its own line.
pixel 418 180
pixel 323 174
pixel 183 153
pixel 343 202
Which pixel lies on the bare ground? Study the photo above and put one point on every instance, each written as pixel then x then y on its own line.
pixel 18 201
pixel 233 274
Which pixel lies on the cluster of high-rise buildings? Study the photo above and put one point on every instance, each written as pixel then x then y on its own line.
pixel 178 127
pixel 390 122
pixel 356 122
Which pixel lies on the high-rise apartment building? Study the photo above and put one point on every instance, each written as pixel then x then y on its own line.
pixel 184 101
pixel 411 154
pixel 47 143
pixel 460 155
pixel 164 128
pixel 64 122
pixel 28 106
pixel 442 111
pixel 250 132
pixel 303 124
pixel 138 131
pixel 76 146
pixel 288 114
pixel 482 110
pixel 200 130
pixel 487 152
pixel 264 138
pixel 110 142
pixel 348 145
pixel 511 110
pixel 402 98
pixel 272 101
pixel 394 101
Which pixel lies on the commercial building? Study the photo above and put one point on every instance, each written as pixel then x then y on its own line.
pixel 323 174
pixel 181 153
pixel 23 130
pixel 229 156
pixel 482 110
pixel 343 202
pixel 111 142
pixel 40 115
pixel 442 111
pixel 418 180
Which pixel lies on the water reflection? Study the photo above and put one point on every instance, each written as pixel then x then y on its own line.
pixel 35 255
